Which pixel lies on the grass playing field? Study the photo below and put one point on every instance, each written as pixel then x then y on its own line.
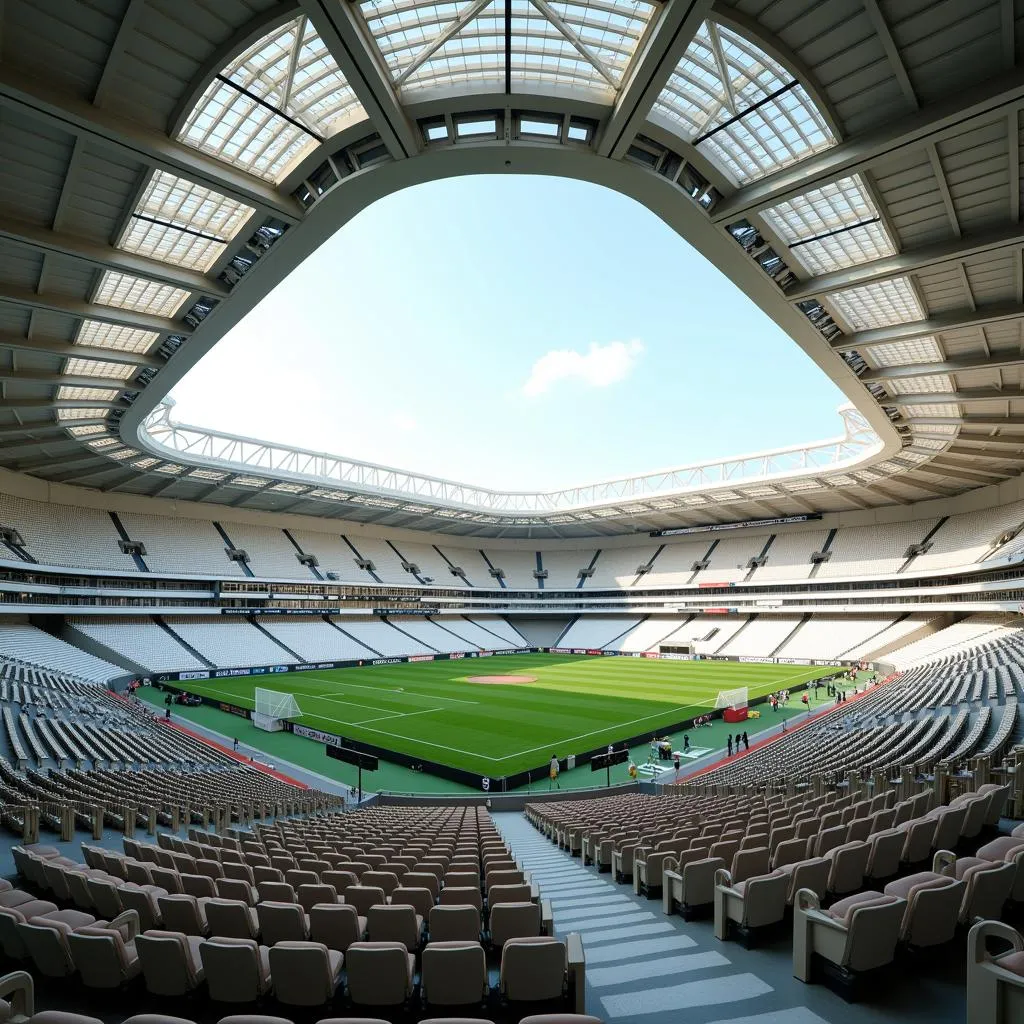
pixel 431 710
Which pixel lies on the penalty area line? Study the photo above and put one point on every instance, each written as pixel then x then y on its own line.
pixel 389 689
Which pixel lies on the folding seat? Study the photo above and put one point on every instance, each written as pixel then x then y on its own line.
pixel 811 874
pixel 181 912
pixel 242 872
pixel 104 956
pixel 200 886
pixel 904 812
pixel 166 878
pixel 78 886
pixel 342 879
pixel 827 839
pixel 232 918
pixel 882 820
pixel 379 973
pixel 423 880
pixel 780 834
pixel 310 895
pixel 919 834
pixel 275 892
pixel 691 885
pixel 183 863
pixel 237 970
pixel 46 940
pixel 949 826
pixel 858 933
pixel 462 878
pixel 849 862
pixel 11 917
pixel 139 872
pixel 56 881
pixel 386 880
pixel 932 907
pixel 987 884
pixel 266 874
pixel 374 860
pixel 105 896
pixel 282 922
pixel 211 868
pixel 649 871
pixel 858 830
pixel 171 964
pixel 457 894
pixel 533 970
pixel 305 973
pixel 997 797
pixel 510 894
pixel 144 900
pixel 750 903
pixel 434 867
pixel 725 848
pixel 456 922
pixel 110 861
pixel 454 974
pixel 790 851
pixel 335 925
pixel 995 980
pixel 362 897
pixel 296 877
pixel 420 899
pixel 236 889
pixel 884 858
pixel 395 923
pixel 513 920
pixel 1010 850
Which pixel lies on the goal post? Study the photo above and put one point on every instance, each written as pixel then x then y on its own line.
pixel 272 707
pixel 733 704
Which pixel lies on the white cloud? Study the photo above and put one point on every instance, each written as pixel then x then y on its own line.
pixel 599 367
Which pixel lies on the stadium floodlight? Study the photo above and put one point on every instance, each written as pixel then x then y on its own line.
pixel 272 707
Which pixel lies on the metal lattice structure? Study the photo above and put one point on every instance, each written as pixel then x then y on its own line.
pixel 164 166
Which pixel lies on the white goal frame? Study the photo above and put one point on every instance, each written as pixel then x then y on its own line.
pixel 272 708
pixel 735 699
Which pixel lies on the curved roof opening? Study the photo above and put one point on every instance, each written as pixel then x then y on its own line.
pixel 519 332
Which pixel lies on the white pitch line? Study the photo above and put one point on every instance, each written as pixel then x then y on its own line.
pixel 407 714
pixel 389 689
pixel 352 703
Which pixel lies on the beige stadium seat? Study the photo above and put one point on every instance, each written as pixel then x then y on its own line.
pixel 691 886
pixel 997 798
pixel 459 895
pixel 276 892
pixel 310 894
pixel 520 893
pixel 1008 850
pixel 995 982
pixel 47 943
pixel 454 923
pixel 454 974
pixel 145 901
pixel 987 884
pixel 884 857
pixel 858 933
pixel 305 973
pixel 514 921
pixel 282 922
pixel 379 973
pixel 11 917
pixel 386 880
pixel 420 899
pixel 949 826
pixel 336 925
pixel 341 879
pixel 17 997
pixel 750 904
pixel 232 918
pixel 534 970
pixel 237 970
pixel 236 889
pixel 807 874
pixel 933 907
pixel 649 871
pixel 395 923
pixel 171 964
pixel 849 863
pixel 200 886
pixel 362 897
pixel 106 956
pixel 183 913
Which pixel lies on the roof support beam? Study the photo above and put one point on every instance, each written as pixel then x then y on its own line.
pixel 21 233
pixel 909 262
pixel 12 402
pixel 89 311
pixel 937 324
pixel 28 465
pixel 977 420
pixel 892 51
pixel 66 380
pixel 964 395
pixel 340 27
pixel 967 472
pixel 974 453
pixel 33 98
pixel 932 123
pixel 991 440
pixel 999 361
pixel 53 427
pixel 651 68
pixel 57 347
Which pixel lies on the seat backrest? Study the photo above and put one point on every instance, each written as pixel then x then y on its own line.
pixel 508 894
pixel 240 872
pixel 99 955
pixel 457 894
pixel 309 895
pixel 336 925
pixel 748 863
pixel 884 858
pixel 296 877
pixel 379 973
pixel 198 885
pixel 105 897
pixel 234 972
pixel 533 969
pixel 454 922
pixel 302 973
pixel 236 889
pixel 166 878
pixel 276 892
pixel 420 898
pixel 512 921
pixel 394 923
pixel 362 897
pixel 47 943
pixel 504 877
pixel 281 922
pixel 789 851
pixel 231 918
pixel 454 974
pixel 166 963
pixel 386 880
pixel 340 879
pixel 181 913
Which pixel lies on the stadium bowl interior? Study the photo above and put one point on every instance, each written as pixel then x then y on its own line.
pixel 747 746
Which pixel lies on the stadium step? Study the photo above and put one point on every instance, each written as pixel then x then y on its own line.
pixel 123 534
pixel 188 647
pixel 643 965
pixel 274 640
pixel 589 570
pixel 298 547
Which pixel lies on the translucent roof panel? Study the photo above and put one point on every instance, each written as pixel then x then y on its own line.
pixel 86 394
pixel 902 353
pixel 93 368
pixel 741 107
pixel 272 102
pixel 832 227
pixel 122 339
pixel 182 223
pixel 878 304
pixel 137 293
pixel 432 45
pixel 78 414
pixel 937 384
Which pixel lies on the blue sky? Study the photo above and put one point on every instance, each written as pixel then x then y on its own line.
pixel 515 332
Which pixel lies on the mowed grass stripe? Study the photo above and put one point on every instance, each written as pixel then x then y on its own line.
pixel 429 710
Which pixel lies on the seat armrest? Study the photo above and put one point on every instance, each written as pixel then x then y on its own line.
pixel 546 916
pixel 127 923
pixel 577 968
pixel 943 859
pixel 19 988
pixel 723 879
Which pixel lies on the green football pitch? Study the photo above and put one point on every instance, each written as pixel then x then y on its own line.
pixel 432 710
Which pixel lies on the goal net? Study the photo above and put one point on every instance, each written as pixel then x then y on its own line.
pixel 732 698
pixel 272 707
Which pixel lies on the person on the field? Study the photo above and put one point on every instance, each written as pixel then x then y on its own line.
pixel 553 771
pixel 686 744
pixel 739 739
pixel 746 742
pixel 730 746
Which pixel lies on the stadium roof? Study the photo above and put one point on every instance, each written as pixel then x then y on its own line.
pixel 854 166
